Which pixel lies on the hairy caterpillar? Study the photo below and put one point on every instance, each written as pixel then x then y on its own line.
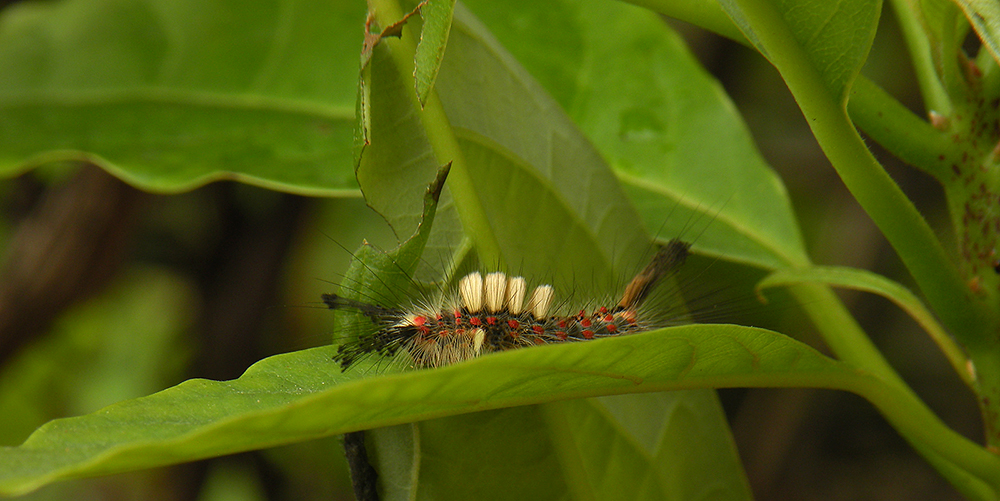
pixel 495 313
pixel 484 314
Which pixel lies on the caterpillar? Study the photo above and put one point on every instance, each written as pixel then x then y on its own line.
pixel 495 313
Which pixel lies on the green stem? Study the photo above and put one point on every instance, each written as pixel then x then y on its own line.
pixel 897 129
pixel 935 95
pixel 973 470
pixel 878 194
pixel 441 136
pixel 862 280
pixel 850 343
pixel 842 333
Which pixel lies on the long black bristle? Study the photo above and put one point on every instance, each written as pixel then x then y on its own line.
pixel 375 312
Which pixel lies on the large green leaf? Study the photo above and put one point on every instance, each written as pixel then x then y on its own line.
pixel 303 395
pixel 624 455
pixel 169 95
pixel 675 140
pixel 598 448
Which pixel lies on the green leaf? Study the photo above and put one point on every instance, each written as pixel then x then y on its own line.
pixel 668 458
pixel 598 448
pixel 169 95
pixel 437 16
pixel 984 16
pixel 673 137
pixel 864 280
pixel 303 395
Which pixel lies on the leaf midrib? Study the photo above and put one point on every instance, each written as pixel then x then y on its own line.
pixel 169 96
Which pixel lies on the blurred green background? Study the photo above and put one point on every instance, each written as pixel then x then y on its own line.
pixel 142 291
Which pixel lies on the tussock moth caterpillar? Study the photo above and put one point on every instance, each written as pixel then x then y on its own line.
pixel 490 312
pixel 494 313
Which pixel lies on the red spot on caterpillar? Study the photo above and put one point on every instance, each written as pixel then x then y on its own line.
pixel 611 328
pixel 539 340
pixel 538 329
pixel 562 324
pixel 588 334
pixel 561 335
pixel 585 322
pixel 475 321
pixel 603 310
pixel 513 324
pixel 419 320
pixel 609 318
pixel 491 320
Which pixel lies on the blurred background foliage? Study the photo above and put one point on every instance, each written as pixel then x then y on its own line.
pixel 143 291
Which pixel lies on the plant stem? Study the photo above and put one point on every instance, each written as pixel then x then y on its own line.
pixel 825 111
pixel 971 469
pixel 935 96
pixel 898 130
pixel 877 193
